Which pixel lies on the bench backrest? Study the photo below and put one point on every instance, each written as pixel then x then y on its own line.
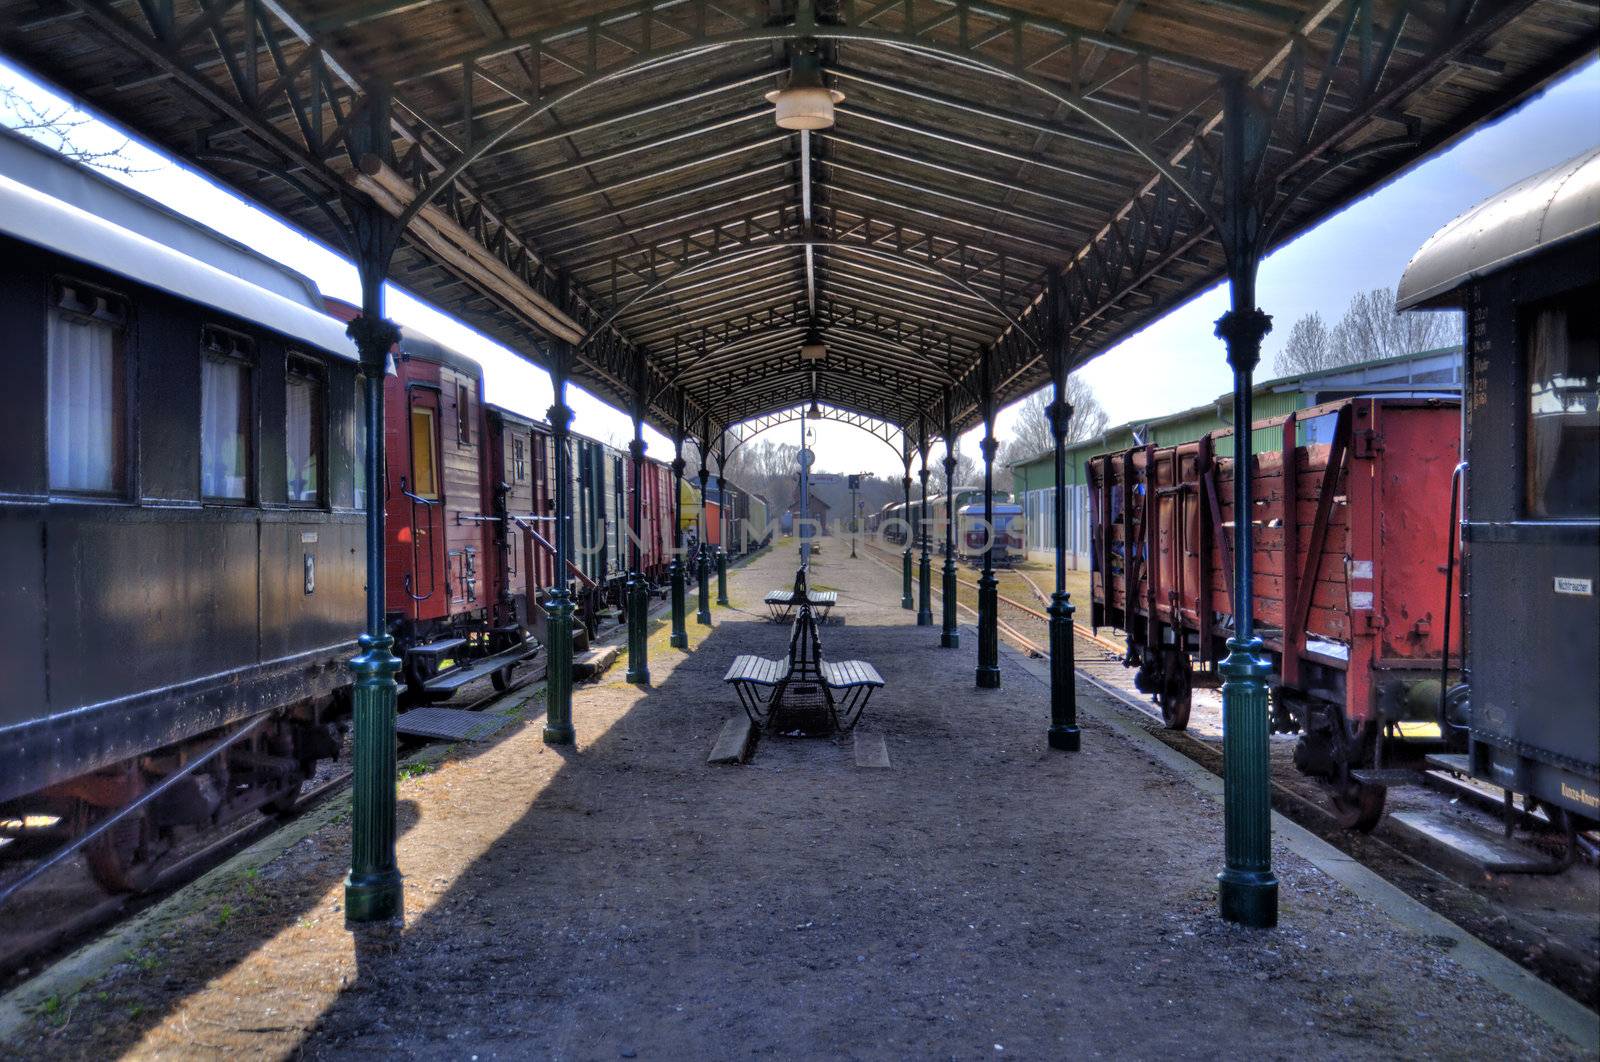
pixel 805 646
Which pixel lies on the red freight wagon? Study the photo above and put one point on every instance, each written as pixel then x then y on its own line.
pixel 1358 495
pixel 656 516
pixel 712 533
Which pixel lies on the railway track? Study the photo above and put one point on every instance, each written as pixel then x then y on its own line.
pixel 23 954
pixel 1458 894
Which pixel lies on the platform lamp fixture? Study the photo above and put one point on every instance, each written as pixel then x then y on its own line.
pixel 815 412
pixel 812 348
pixel 805 102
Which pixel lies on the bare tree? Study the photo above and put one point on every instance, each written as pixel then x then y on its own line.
pixel 1307 349
pixel 1369 329
pixel 966 471
pixel 1371 325
pixel 1032 436
pixel 60 128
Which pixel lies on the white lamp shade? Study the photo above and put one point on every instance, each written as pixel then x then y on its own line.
pixel 813 350
pixel 805 106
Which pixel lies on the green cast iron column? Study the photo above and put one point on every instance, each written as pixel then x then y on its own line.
pixel 1248 890
pixel 373 891
pixel 906 598
pixel 703 562
pixel 988 673
pixel 680 632
pixel 949 634
pixel 724 527
pixel 638 592
pixel 1063 733
pixel 925 567
pixel 559 607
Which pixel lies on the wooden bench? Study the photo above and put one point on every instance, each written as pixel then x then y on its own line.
pixel 780 603
pixel 767 686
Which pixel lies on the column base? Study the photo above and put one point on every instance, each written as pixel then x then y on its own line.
pixel 988 678
pixel 373 897
pixel 560 735
pixel 1065 738
pixel 925 619
pixel 680 636
pixel 702 614
pixel 949 639
pixel 1248 898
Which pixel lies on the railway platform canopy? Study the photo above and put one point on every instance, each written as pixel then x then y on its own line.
pixel 907 212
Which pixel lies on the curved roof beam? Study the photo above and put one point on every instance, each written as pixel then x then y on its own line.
pixel 994 24
pixel 950 279
pixel 882 430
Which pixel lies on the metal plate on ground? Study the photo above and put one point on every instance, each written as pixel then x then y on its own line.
pixel 449 724
pixel 1465 841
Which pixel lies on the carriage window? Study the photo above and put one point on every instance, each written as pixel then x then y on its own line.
pixel 463 412
pixel 359 435
pixel 424 480
pixel 85 391
pixel 1562 342
pixel 303 438
pixel 519 467
pixel 224 428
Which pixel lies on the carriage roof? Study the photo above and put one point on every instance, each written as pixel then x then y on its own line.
pixel 61 206
pixel 1559 204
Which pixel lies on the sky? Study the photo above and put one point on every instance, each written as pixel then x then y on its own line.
pixel 1174 364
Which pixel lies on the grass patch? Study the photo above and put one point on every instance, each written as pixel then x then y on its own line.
pixel 416 769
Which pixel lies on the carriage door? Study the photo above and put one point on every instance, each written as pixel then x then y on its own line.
pixel 617 538
pixel 544 509
pixel 463 491
pixel 423 491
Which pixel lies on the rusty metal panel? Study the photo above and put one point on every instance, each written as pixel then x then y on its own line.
pixel 449 724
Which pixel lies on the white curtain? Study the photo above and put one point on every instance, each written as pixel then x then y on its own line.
pixel 83 421
pixel 1547 372
pixel 224 429
pixel 302 449
pixel 360 436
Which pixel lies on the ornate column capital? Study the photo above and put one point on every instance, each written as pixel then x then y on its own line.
pixel 636 449
pixel 678 465
pixel 1059 414
pixel 990 446
pixel 374 338
pixel 560 418
pixel 1243 332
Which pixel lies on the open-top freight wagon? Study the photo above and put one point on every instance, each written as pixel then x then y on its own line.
pixel 1351 514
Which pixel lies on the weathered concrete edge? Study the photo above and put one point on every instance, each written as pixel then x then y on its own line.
pixel 871 751
pixel 733 740
pixel 1551 1005
pixel 77 970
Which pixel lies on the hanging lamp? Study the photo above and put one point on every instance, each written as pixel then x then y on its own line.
pixel 805 102
pixel 812 348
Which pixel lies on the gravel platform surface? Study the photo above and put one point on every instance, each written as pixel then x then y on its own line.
pixel 983 897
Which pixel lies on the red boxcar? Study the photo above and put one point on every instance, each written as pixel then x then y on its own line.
pixel 445 565
pixel 656 517
pixel 1357 494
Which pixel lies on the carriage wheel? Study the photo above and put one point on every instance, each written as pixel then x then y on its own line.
pixel 120 860
pixel 1357 805
pixel 1176 691
pixel 502 678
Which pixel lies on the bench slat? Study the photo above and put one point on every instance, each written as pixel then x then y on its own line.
pixel 847 673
